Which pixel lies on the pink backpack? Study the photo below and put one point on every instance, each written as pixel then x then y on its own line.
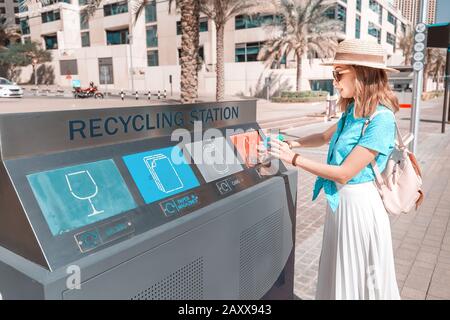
pixel 400 183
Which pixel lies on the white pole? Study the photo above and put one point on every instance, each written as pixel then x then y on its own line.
pixel 418 83
pixel 130 40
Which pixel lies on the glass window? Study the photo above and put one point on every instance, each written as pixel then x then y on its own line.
pixel 50 2
pixel 152 36
pixel 117 37
pixel 24 26
pixel 50 16
pixel 67 67
pixel 248 22
pixel 358 27
pixel 51 42
pixel 375 31
pixel 358 5
pixel 340 13
pixel 150 12
pixel 246 52
pixel 392 19
pixel 390 38
pixel 85 40
pixel 152 58
pixel 203 25
pixel 84 20
pixel 106 71
pixel 342 16
pixel 115 8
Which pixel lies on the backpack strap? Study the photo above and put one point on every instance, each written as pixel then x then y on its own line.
pixel 400 142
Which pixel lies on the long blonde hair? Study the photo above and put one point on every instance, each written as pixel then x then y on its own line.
pixel 372 88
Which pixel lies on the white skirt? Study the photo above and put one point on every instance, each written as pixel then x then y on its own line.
pixel 357 260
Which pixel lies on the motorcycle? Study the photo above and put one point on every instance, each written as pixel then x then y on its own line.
pixel 92 91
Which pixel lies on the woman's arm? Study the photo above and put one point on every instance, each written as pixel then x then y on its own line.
pixel 357 160
pixel 314 140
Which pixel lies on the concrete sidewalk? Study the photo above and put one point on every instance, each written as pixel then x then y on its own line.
pixel 421 239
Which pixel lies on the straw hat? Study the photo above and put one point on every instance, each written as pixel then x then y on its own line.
pixel 361 53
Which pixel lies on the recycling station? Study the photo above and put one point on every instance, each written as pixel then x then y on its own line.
pixel 106 204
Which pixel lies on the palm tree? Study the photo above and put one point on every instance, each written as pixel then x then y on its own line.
pixel 8 34
pixel 220 11
pixel 405 44
pixel 190 38
pixel 303 27
pixel 437 62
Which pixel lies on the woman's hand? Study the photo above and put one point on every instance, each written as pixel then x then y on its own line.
pixel 281 150
pixel 263 155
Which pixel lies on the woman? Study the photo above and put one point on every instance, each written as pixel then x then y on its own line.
pixel 357 259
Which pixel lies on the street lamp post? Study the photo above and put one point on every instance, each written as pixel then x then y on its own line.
pixel 130 41
pixel 418 81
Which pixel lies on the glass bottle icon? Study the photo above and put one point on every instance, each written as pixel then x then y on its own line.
pixel 83 187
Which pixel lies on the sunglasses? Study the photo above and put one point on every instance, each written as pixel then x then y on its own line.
pixel 337 74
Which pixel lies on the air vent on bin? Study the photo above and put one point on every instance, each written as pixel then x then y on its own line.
pixel 261 256
pixel 184 284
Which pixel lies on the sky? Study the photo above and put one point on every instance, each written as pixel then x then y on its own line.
pixel 443 11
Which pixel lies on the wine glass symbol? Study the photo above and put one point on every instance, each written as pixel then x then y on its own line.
pixel 77 182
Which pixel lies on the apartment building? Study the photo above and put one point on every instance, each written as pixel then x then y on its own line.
pixel 117 51
pixel 8 10
pixel 410 9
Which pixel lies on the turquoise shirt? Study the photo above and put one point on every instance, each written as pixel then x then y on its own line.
pixel 379 136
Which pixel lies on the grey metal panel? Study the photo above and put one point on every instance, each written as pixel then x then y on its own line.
pixel 29 134
pixel 216 243
pixel 15 285
pixel 16 233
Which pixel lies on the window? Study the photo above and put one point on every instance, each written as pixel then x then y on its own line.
pixel 117 37
pixel 375 31
pixel 358 27
pixel 152 58
pixel 106 71
pixel 256 21
pixel 203 26
pixel 68 67
pixel 50 16
pixel 115 8
pixel 85 40
pixel 84 20
pixel 358 5
pixel 377 8
pixel 390 38
pixel 82 2
pixel 2 10
pixel 391 18
pixel 51 42
pixel 50 2
pixel 152 36
pixel 246 52
pixel 24 26
pixel 339 13
pixel 150 12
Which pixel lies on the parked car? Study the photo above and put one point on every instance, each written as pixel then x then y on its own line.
pixel 10 89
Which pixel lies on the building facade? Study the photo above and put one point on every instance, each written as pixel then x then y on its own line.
pixel 8 11
pixel 410 9
pixel 117 51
